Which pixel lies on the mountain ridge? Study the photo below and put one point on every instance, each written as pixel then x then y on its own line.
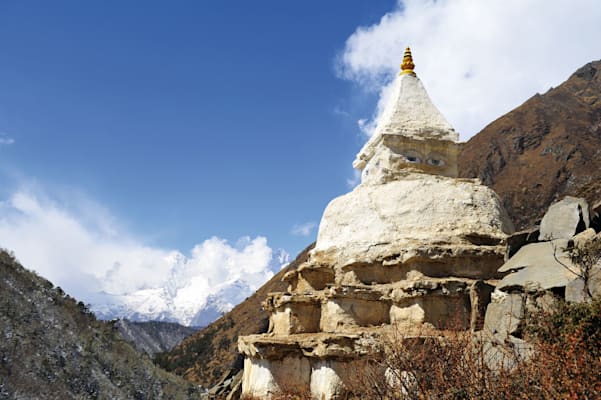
pixel 543 150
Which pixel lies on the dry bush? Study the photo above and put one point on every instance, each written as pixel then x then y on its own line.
pixel 289 394
pixel 446 366
pixel 565 362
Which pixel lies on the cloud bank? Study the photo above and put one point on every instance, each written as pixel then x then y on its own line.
pixel 84 251
pixel 477 59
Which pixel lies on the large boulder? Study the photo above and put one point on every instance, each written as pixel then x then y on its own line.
pixel 594 281
pixel 501 342
pixel 504 313
pixel 565 219
pixel 544 265
pixel 595 211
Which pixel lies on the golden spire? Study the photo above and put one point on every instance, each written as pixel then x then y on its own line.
pixel 407 65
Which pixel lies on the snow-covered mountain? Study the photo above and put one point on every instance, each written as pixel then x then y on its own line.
pixel 118 275
pixel 188 296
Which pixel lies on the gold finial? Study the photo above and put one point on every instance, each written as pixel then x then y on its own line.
pixel 407 65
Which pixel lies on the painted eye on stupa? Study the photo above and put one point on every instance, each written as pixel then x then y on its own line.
pixel 435 162
pixel 413 156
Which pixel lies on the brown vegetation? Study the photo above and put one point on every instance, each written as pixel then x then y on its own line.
pixel 565 363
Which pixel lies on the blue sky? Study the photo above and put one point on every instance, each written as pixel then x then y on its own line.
pixel 133 134
pixel 186 119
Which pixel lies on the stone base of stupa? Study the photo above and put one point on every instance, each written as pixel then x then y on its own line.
pixel 317 338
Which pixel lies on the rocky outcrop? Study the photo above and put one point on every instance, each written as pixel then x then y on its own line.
pixel 540 274
pixel 549 264
pixel 545 264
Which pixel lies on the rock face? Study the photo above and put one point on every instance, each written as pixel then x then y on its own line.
pixel 543 150
pixel 409 248
pixel 564 219
pixel 154 336
pixel 541 273
pixel 546 264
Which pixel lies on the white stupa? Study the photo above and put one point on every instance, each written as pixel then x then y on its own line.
pixel 411 246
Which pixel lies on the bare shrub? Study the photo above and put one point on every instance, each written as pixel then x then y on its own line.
pixel 288 394
pixel 565 362
pixel 450 365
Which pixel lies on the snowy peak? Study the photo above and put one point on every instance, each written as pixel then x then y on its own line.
pixel 192 295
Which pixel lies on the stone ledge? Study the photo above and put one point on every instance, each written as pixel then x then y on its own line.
pixel 417 287
pixel 312 345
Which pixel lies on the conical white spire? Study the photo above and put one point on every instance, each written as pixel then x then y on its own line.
pixel 409 113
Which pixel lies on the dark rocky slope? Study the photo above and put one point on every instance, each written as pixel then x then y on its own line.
pixel 545 149
pixel 52 347
pixel 211 353
pixel 153 336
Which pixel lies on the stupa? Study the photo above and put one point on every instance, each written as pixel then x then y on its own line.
pixel 412 246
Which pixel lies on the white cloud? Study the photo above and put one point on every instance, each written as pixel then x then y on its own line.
pixel 5 140
pixel 216 261
pixel 83 250
pixel 61 247
pixel 304 229
pixel 477 59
